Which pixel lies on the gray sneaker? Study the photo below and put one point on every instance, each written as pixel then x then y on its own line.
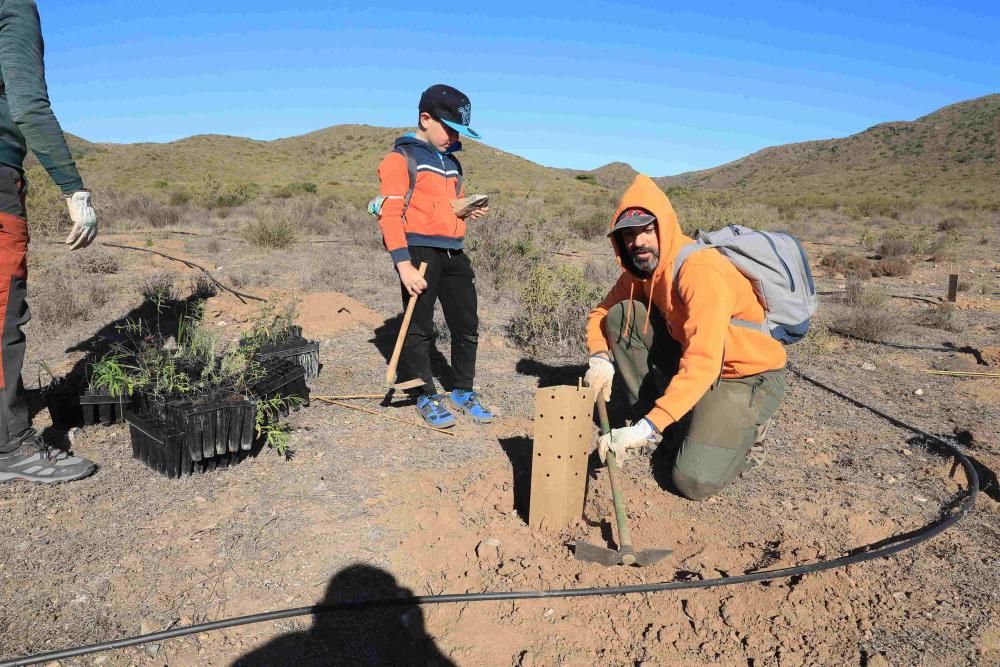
pixel 35 461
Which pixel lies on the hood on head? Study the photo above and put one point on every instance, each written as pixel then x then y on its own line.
pixel 645 194
pixel 410 138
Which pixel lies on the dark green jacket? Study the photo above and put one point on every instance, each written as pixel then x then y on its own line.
pixel 26 118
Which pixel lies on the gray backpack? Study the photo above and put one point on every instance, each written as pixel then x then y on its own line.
pixel 776 265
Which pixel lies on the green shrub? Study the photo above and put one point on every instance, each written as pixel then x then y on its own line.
pixel 47 212
pixel 554 303
pixel 214 194
pixel 275 225
pixel 587 178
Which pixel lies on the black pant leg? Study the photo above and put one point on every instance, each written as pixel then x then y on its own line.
pixel 416 354
pixel 460 305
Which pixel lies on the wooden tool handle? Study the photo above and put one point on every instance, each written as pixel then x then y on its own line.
pixel 625 547
pixel 390 373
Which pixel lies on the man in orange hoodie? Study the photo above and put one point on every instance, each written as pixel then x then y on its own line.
pixel 678 349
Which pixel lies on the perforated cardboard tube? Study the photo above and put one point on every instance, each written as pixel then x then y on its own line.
pixel 563 430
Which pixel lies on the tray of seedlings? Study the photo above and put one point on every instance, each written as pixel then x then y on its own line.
pixel 195 410
pixel 273 337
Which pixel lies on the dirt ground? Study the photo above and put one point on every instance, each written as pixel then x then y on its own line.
pixel 368 507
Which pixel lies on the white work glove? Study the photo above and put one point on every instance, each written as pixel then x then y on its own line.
pixel 625 442
pixel 84 220
pixel 599 376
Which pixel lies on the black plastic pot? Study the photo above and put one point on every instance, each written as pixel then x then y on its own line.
pixel 62 398
pixel 196 436
pixel 283 379
pixel 212 425
pixel 297 349
pixel 100 407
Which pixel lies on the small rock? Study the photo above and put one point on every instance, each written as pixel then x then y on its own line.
pixel 221 323
pixel 918 392
pixel 810 441
pixel 890 480
pixel 868 366
pixel 549 612
pixel 488 549
pixel 920 499
pixel 906 452
pixel 152 649
pixel 72 435
pixel 148 625
pixel 199 499
pixel 101 659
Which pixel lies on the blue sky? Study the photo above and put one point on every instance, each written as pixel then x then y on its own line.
pixel 567 84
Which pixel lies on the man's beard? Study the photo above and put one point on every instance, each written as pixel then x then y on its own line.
pixel 645 267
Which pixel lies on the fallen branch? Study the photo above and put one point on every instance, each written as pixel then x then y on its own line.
pixel 191 265
pixel 961 373
pixel 383 416
pixel 350 397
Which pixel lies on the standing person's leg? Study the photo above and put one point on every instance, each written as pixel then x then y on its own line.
pixel 23 453
pixel 724 425
pixel 416 354
pixel 460 304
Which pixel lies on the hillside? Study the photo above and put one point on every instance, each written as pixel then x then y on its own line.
pixel 340 159
pixel 952 154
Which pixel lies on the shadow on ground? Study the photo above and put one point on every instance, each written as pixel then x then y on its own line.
pixel 384 341
pixel 376 636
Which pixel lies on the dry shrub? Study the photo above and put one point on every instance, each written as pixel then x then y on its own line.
pixel 940 316
pixel 63 300
pixel 858 295
pixel 96 260
pixel 508 246
pixel 131 211
pixel 952 223
pixel 841 261
pixel 894 246
pixel 895 267
pixel 276 225
pixel 867 323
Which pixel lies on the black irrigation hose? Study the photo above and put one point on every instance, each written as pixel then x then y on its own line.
pixel 887 547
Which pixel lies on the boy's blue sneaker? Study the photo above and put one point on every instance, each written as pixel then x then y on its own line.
pixel 468 402
pixel 431 407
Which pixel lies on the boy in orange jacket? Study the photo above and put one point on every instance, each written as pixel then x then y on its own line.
pixel 676 344
pixel 419 225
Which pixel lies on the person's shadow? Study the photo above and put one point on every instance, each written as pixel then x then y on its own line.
pixel 374 636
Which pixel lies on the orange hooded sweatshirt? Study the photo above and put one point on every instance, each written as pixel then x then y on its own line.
pixel 709 292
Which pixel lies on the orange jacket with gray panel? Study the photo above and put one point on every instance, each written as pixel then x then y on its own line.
pixel 429 219
pixel 710 291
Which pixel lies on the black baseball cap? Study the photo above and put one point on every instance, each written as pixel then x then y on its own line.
pixel 450 106
pixel 632 217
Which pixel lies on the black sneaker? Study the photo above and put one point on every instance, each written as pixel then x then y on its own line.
pixel 35 461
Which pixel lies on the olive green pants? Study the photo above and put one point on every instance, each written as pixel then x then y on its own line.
pixel 719 431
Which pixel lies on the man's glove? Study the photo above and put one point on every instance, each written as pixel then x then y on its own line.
pixel 84 220
pixel 625 441
pixel 599 376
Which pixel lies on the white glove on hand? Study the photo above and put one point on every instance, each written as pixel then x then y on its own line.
pixel 84 220
pixel 621 440
pixel 599 376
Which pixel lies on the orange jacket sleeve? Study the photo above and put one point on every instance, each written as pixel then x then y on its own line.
pixel 596 340
pixel 394 181
pixel 709 304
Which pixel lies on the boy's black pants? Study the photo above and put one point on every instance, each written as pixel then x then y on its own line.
pixel 449 279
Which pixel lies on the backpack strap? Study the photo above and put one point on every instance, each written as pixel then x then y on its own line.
pixel 458 166
pixel 411 171
pixel 692 248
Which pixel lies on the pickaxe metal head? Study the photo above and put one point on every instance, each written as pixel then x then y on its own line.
pixel 627 556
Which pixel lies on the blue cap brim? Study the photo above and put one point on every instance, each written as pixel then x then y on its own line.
pixel 462 129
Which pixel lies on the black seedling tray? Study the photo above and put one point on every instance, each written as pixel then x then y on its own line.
pixel 296 348
pixel 63 401
pixel 303 352
pixel 166 449
pixel 282 379
pixel 104 408
pixel 212 425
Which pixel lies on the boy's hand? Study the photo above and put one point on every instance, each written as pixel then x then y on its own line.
pixel 478 213
pixel 411 278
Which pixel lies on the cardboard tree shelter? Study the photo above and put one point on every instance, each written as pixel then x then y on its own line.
pixel 562 442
